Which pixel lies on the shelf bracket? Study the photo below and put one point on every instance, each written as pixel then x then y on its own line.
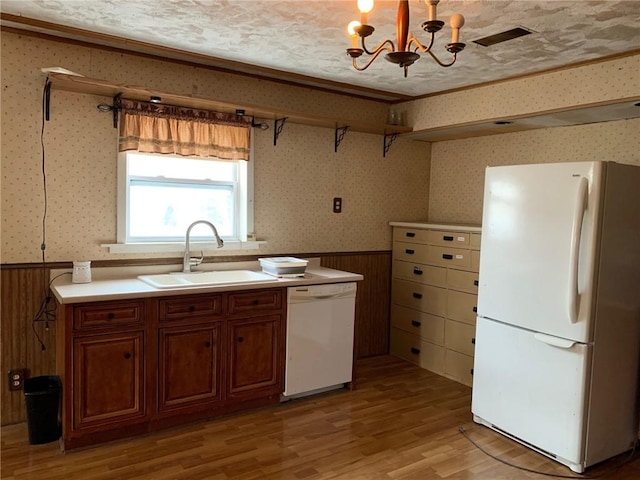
pixel 339 136
pixel 278 125
pixel 115 109
pixel 389 138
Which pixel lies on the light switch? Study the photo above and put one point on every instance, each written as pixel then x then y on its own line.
pixel 337 205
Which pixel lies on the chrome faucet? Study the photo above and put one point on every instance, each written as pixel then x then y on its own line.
pixel 188 261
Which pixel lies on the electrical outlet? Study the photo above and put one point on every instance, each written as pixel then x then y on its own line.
pixel 16 378
pixel 337 205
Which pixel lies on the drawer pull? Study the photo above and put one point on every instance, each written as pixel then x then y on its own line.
pixel 408 251
pixel 475 309
pixel 110 315
pixel 473 340
pixel 471 371
pixel 410 234
pixel 207 344
pixel 415 350
pixel 476 283
pixel 447 256
pixel 417 295
pixel 127 355
pixel 192 308
pixel 447 238
pixel 417 271
pixel 255 301
pixel 240 339
pixel 415 323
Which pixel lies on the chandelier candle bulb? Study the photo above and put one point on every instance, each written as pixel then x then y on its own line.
pixel 432 4
pixel 351 29
pixel 365 6
pixel 457 22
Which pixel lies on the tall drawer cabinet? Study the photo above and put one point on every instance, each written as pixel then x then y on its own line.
pixel 434 296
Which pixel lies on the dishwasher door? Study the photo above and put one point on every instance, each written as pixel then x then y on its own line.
pixel 320 326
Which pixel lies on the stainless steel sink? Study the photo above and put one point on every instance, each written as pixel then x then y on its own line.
pixel 203 279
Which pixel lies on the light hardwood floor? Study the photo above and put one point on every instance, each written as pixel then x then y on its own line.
pixel 400 423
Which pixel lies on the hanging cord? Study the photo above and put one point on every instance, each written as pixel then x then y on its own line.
pixel 553 475
pixel 45 312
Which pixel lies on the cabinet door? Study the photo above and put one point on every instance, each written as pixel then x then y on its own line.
pixel 189 366
pixel 255 357
pixel 108 379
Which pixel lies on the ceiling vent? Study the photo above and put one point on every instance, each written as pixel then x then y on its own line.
pixel 503 36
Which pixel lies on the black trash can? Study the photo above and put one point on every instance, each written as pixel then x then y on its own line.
pixel 42 396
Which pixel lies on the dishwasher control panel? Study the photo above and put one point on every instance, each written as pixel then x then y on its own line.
pixel 322 291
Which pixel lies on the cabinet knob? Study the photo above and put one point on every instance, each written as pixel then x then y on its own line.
pixel 207 344
pixel 415 323
pixel 255 301
pixel 417 295
pixel 127 355
pixel 447 256
pixel 475 309
pixel 447 238
pixel 410 234
pixel 409 251
pixel 240 339
pixel 471 371
pixel 473 340
pixel 417 271
pixel 476 283
pixel 192 308
pixel 110 315
pixel 415 350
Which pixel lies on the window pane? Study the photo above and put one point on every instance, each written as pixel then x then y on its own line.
pixel 180 167
pixel 166 210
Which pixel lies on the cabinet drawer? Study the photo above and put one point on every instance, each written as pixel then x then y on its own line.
pixel 420 297
pixel 462 306
pixel 458 366
pixel 460 337
pixel 410 235
pixel 475 260
pixel 426 326
pixel 412 348
pixel 250 301
pixel 191 306
pixel 460 280
pixel 109 314
pixel 419 273
pixel 449 257
pixel 455 239
pixel 474 240
pixel 410 252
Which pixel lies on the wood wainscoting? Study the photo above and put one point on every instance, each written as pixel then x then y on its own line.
pixel 23 289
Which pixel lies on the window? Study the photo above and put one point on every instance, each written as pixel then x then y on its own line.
pixel 159 196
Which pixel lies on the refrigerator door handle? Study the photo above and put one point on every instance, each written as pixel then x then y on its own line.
pixel 554 341
pixel 574 254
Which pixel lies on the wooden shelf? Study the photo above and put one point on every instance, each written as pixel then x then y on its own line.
pixel 73 83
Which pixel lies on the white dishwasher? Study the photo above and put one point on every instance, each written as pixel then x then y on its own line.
pixel 320 325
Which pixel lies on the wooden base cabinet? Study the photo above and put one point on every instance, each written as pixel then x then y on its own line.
pixel 132 366
pixel 434 297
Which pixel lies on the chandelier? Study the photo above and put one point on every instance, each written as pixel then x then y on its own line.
pixel 407 45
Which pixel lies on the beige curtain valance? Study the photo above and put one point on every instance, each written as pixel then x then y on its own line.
pixel 152 128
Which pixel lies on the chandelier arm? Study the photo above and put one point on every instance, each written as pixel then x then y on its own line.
pixel 420 46
pixel 389 48
pixel 453 59
pixel 374 55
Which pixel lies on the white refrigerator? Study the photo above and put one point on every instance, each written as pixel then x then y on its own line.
pixel 558 329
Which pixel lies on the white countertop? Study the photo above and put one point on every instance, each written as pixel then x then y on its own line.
pixel 107 286
pixel 439 226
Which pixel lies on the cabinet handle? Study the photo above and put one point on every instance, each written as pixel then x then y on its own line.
pixel 447 238
pixel 410 234
pixel 473 340
pixel 415 323
pixel 207 344
pixel 110 316
pixel 471 371
pixel 417 295
pixel 240 339
pixel 417 271
pixel 408 251
pixel 192 308
pixel 415 350
pixel 447 256
pixel 255 301
pixel 475 309
pixel 127 355
pixel 476 283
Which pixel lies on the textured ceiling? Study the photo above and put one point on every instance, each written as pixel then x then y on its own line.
pixel 309 38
